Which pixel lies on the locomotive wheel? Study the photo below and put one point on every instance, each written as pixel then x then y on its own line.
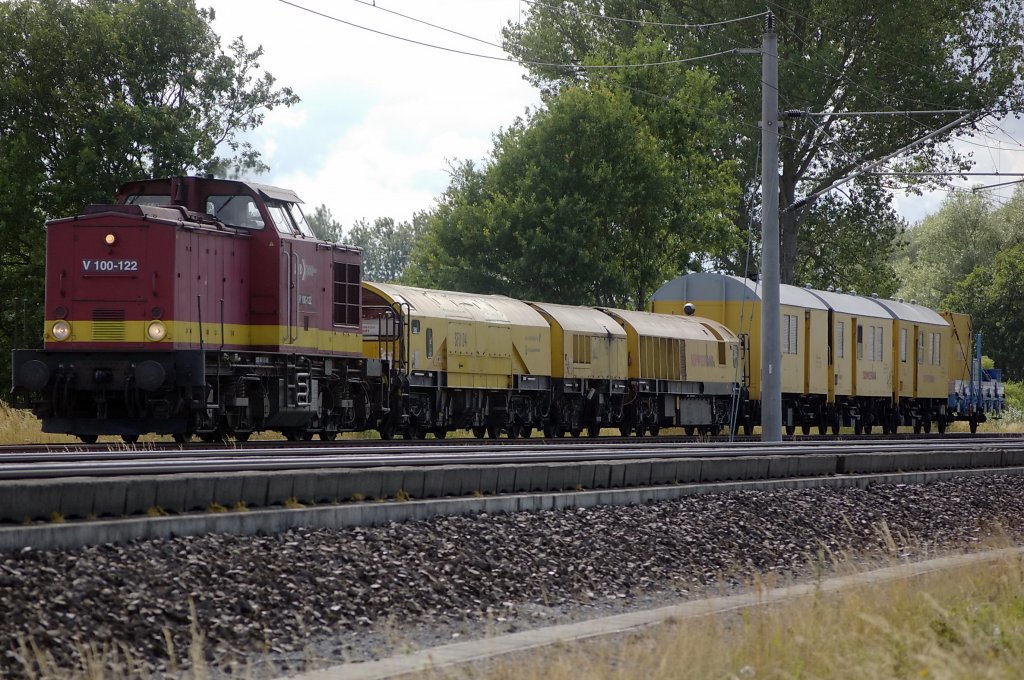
pixel 513 431
pixel 324 435
pixel 655 429
pixel 550 431
pixel 748 427
pixel 130 438
pixel 413 432
pixel 624 430
pixel 440 432
pixel 805 428
pixel 594 430
pixel 790 430
pixel 181 438
pixel 942 424
pixel 526 431
pixel 479 432
pixel 639 430
pixel 858 428
pixel 867 428
pixel 88 438
pixel 493 432
pixel 242 436
pixel 576 432
pixel 386 430
pixel 927 426
pixel 822 427
pixel 837 424
pixel 917 427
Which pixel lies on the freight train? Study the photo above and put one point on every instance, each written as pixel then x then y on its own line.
pixel 195 306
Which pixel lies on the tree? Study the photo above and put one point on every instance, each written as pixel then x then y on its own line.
pixel 994 297
pixel 387 246
pixel 946 247
pixel 834 56
pixel 583 203
pixel 94 93
pixel 323 224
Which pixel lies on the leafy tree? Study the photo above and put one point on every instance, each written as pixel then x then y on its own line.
pixel 94 93
pixel 835 56
pixel 994 297
pixel 387 246
pixel 946 247
pixel 323 224
pixel 583 203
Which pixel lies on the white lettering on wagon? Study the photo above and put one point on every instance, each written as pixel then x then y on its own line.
pixel 110 266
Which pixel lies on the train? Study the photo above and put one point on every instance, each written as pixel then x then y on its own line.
pixel 205 307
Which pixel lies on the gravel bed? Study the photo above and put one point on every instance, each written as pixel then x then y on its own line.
pixel 257 605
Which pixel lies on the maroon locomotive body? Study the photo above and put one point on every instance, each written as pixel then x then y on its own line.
pixel 198 306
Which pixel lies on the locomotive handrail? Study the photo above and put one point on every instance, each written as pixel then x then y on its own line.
pixel 292 337
pixel 287 296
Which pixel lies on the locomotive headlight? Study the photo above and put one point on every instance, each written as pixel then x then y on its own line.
pixel 61 330
pixel 156 331
pixel 110 239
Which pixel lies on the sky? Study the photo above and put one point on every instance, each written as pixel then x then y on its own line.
pixel 381 120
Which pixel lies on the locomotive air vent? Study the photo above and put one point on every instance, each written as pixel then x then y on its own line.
pixel 108 324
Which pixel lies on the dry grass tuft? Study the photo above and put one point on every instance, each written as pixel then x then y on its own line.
pixel 961 624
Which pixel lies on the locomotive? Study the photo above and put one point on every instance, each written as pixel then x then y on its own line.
pixel 207 307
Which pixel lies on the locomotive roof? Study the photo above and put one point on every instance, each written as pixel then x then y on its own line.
pixel 265 190
pixel 446 304
pixel 671 325
pixel 704 286
pixel 580 319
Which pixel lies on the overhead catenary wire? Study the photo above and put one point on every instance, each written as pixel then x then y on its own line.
pixel 507 58
pixel 642 22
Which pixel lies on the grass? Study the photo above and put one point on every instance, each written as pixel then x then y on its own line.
pixel 964 623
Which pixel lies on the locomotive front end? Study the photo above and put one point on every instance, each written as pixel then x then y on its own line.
pixel 107 365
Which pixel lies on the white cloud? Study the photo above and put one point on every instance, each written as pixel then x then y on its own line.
pixel 379 117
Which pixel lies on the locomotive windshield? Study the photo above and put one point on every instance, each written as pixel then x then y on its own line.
pixel 288 219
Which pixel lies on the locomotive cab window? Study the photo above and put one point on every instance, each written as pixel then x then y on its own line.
pixel 235 210
pixel 148 199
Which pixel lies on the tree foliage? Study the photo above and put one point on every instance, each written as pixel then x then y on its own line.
pixel 993 295
pixel 834 56
pixel 946 247
pixel 94 93
pixel 323 224
pixel 583 202
pixel 387 246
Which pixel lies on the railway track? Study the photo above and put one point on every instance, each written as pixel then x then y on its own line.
pixel 97 461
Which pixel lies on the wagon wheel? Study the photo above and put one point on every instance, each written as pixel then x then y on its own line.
pixel 440 432
pixel 479 432
pixel 593 430
pixel 324 435
pixel 493 432
pixel 387 429
pixel 88 438
pixel 526 431
pixel 130 438
pixel 624 430
pixel 242 436
pixel 512 431
pixel 655 429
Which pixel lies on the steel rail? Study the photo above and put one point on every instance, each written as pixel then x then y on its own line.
pixel 283 460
